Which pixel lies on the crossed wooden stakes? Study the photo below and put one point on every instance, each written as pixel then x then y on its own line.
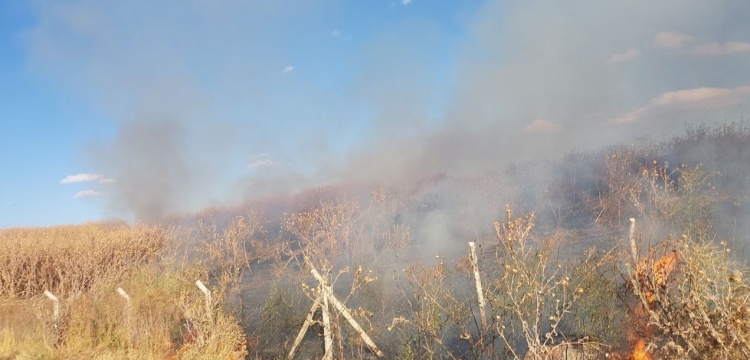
pixel 325 295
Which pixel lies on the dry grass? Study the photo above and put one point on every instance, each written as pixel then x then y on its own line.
pixel 566 287
pixel 83 265
pixel 69 260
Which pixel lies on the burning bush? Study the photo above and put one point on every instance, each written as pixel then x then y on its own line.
pixel 690 300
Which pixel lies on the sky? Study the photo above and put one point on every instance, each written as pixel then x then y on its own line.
pixel 137 109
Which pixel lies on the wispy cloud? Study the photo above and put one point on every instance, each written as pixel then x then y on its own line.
pixel 260 163
pixel 287 69
pixel 541 126
pixel 337 33
pixel 406 2
pixel 675 41
pixel 719 49
pixel 671 40
pixel 628 55
pixel 83 177
pixel 86 194
pixel 687 100
pixel 260 160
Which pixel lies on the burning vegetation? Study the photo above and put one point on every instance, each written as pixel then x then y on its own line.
pixel 569 278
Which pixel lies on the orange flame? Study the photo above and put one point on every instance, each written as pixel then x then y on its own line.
pixel 661 269
pixel 640 352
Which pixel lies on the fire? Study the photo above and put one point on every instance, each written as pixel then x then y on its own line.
pixel 640 352
pixel 639 330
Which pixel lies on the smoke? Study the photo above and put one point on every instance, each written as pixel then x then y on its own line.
pixel 537 79
pixel 193 90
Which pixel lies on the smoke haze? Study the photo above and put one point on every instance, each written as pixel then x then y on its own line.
pixel 218 102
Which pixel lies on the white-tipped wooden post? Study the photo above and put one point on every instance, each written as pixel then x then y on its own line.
pixel 55 311
pixel 478 283
pixel 56 301
pixel 633 246
pixel 346 314
pixel 124 295
pixel 207 293
pixel 327 331
pixel 305 325
pixel 128 310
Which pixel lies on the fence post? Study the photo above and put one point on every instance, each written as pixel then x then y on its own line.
pixel 633 245
pixel 128 311
pixel 55 312
pixel 478 283
pixel 207 293
pixel 308 321
pixel 124 295
pixel 327 330
pixel 341 308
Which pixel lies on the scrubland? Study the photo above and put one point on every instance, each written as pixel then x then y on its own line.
pixel 564 271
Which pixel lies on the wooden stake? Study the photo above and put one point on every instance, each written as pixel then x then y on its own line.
pixel 128 311
pixel 207 293
pixel 347 315
pixel 124 295
pixel 478 283
pixel 633 247
pixel 55 313
pixel 327 330
pixel 305 325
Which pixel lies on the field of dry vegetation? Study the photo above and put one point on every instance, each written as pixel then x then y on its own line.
pixel 627 253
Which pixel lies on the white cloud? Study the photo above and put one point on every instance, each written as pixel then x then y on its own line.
pixel 671 40
pixel 541 125
pixel 628 55
pixel 718 49
pixel 86 194
pixel 287 69
pixel 406 2
pixel 260 163
pixel 687 100
pixel 83 177
pixel 674 40
pixel 340 34
pixel 260 160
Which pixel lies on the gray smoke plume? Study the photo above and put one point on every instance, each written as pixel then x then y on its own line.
pixel 197 90
pixel 540 78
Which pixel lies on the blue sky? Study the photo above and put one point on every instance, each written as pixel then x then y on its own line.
pixel 152 107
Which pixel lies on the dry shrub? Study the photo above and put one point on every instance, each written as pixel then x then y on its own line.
pixel 679 199
pixel 157 323
pixel 348 231
pixel 431 324
pixel 228 253
pixel 209 332
pixel 326 231
pixel 69 260
pixel 691 300
pixel 614 192
pixel 535 295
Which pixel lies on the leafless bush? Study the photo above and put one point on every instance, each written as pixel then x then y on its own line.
pixel 614 193
pixel 679 199
pixel 691 300
pixel 435 319
pixel 533 293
